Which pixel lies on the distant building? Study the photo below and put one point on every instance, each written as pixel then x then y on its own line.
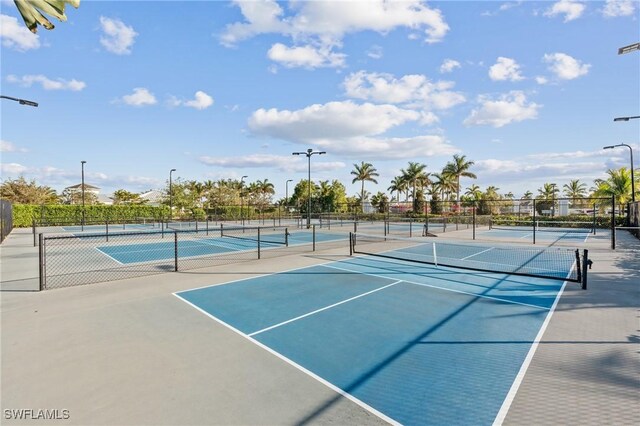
pixel 154 197
pixel 88 189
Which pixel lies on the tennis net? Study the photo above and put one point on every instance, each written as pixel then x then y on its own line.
pixel 553 263
pixel 582 227
pixel 267 235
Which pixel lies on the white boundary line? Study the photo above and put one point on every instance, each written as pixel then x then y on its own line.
pixel 296 365
pixel 108 255
pixel 475 254
pixel 443 288
pixel 506 404
pixel 322 309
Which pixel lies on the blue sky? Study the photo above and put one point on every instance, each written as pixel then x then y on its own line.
pixel 526 90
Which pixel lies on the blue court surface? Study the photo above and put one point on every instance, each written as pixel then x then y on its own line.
pixel 414 344
pixel 206 246
pixel 526 234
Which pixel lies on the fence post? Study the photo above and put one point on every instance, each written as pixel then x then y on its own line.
pixel 41 267
pixel 314 237
pixel 613 222
pixel 258 242
pixel 33 225
pixel 175 250
pixel 473 213
pixel 534 221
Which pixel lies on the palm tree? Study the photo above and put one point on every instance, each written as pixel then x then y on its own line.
pixel 474 192
pixel 618 184
pixel 364 172
pixel 397 185
pixel 414 173
pixel 575 190
pixel 459 167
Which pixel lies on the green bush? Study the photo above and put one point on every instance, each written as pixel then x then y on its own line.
pixel 64 214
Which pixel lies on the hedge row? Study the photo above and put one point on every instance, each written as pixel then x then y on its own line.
pixel 25 214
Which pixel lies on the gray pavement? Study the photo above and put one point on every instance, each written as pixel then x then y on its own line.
pixel 128 352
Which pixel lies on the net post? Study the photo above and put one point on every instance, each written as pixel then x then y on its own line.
pixel 206 223
pixel 386 224
pixel 33 227
pixel 585 267
pixel 613 222
pixel 286 237
pixel 41 266
pixel 594 219
pixel 314 237
pixel 175 250
pixel 410 227
pixel 350 243
pixel 106 224
pixel 221 232
pixel 258 242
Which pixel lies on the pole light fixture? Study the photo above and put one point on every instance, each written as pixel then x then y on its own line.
pixel 633 187
pixel 20 101
pixel 626 118
pixel 171 194
pixel 286 193
pixel 309 152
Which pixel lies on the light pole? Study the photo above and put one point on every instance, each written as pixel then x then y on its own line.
pixel 82 163
pixel 171 194
pixel 309 152
pixel 20 101
pixel 633 188
pixel 286 194
pixel 242 199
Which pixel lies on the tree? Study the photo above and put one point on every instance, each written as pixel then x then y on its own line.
pixel 31 11
pixel 617 184
pixel 364 172
pixel 398 185
pixel 414 174
pixel 122 196
pixel 459 167
pixel 19 191
pixel 575 190
pixel 380 201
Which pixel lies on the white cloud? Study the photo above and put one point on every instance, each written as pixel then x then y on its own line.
pixel 6 146
pixel 541 80
pixel 12 169
pixel 284 163
pixel 503 7
pixel 118 37
pixel 15 35
pixel 333 120
pixel 347 128
pixel 449 65
pixel 565 67
pixel 508 108
pixel 140 97
pixel 46 83
pixel 616 8
pixel 569 8
pixel 412 89
pixel 323 25
pixel 305 56
pixel 505 69
pixel 201 101
pixel 375 52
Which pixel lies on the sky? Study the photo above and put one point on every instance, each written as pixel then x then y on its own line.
pixel 216 90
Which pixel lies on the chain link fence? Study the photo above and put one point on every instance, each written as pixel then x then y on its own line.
pixel 6 219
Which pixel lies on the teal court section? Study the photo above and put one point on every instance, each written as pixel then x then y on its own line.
pixel 415 344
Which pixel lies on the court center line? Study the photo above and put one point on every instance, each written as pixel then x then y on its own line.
pixel 499 299
pixel 323 309
pixel 475 254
